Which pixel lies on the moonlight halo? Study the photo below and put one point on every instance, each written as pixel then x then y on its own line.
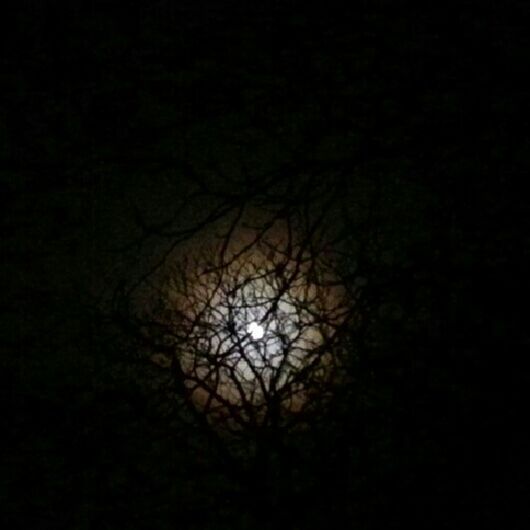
pixel 252 316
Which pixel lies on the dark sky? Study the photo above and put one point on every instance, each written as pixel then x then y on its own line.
pixel 102 110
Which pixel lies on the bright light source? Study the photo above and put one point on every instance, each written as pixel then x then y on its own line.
pixel 255 330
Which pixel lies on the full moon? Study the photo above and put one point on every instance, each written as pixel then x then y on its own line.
pixel 253 313
pixel 256 331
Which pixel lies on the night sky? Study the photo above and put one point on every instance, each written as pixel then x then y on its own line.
pixel 110 116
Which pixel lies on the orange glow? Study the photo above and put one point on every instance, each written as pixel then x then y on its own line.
pixel 256 313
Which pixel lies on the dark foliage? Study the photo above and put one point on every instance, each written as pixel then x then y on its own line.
pixel 412 117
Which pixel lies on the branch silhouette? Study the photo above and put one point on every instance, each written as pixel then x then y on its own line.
pixel 247 307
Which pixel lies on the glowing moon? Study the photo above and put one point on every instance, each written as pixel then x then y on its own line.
pixel 254 313
pixel 256 331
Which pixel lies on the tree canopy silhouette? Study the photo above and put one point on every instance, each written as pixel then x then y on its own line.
pixel 247 309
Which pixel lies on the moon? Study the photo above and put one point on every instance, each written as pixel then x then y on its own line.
pixel 255 314
pixel 256 331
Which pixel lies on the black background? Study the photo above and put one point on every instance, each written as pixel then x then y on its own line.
pixel 101 102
